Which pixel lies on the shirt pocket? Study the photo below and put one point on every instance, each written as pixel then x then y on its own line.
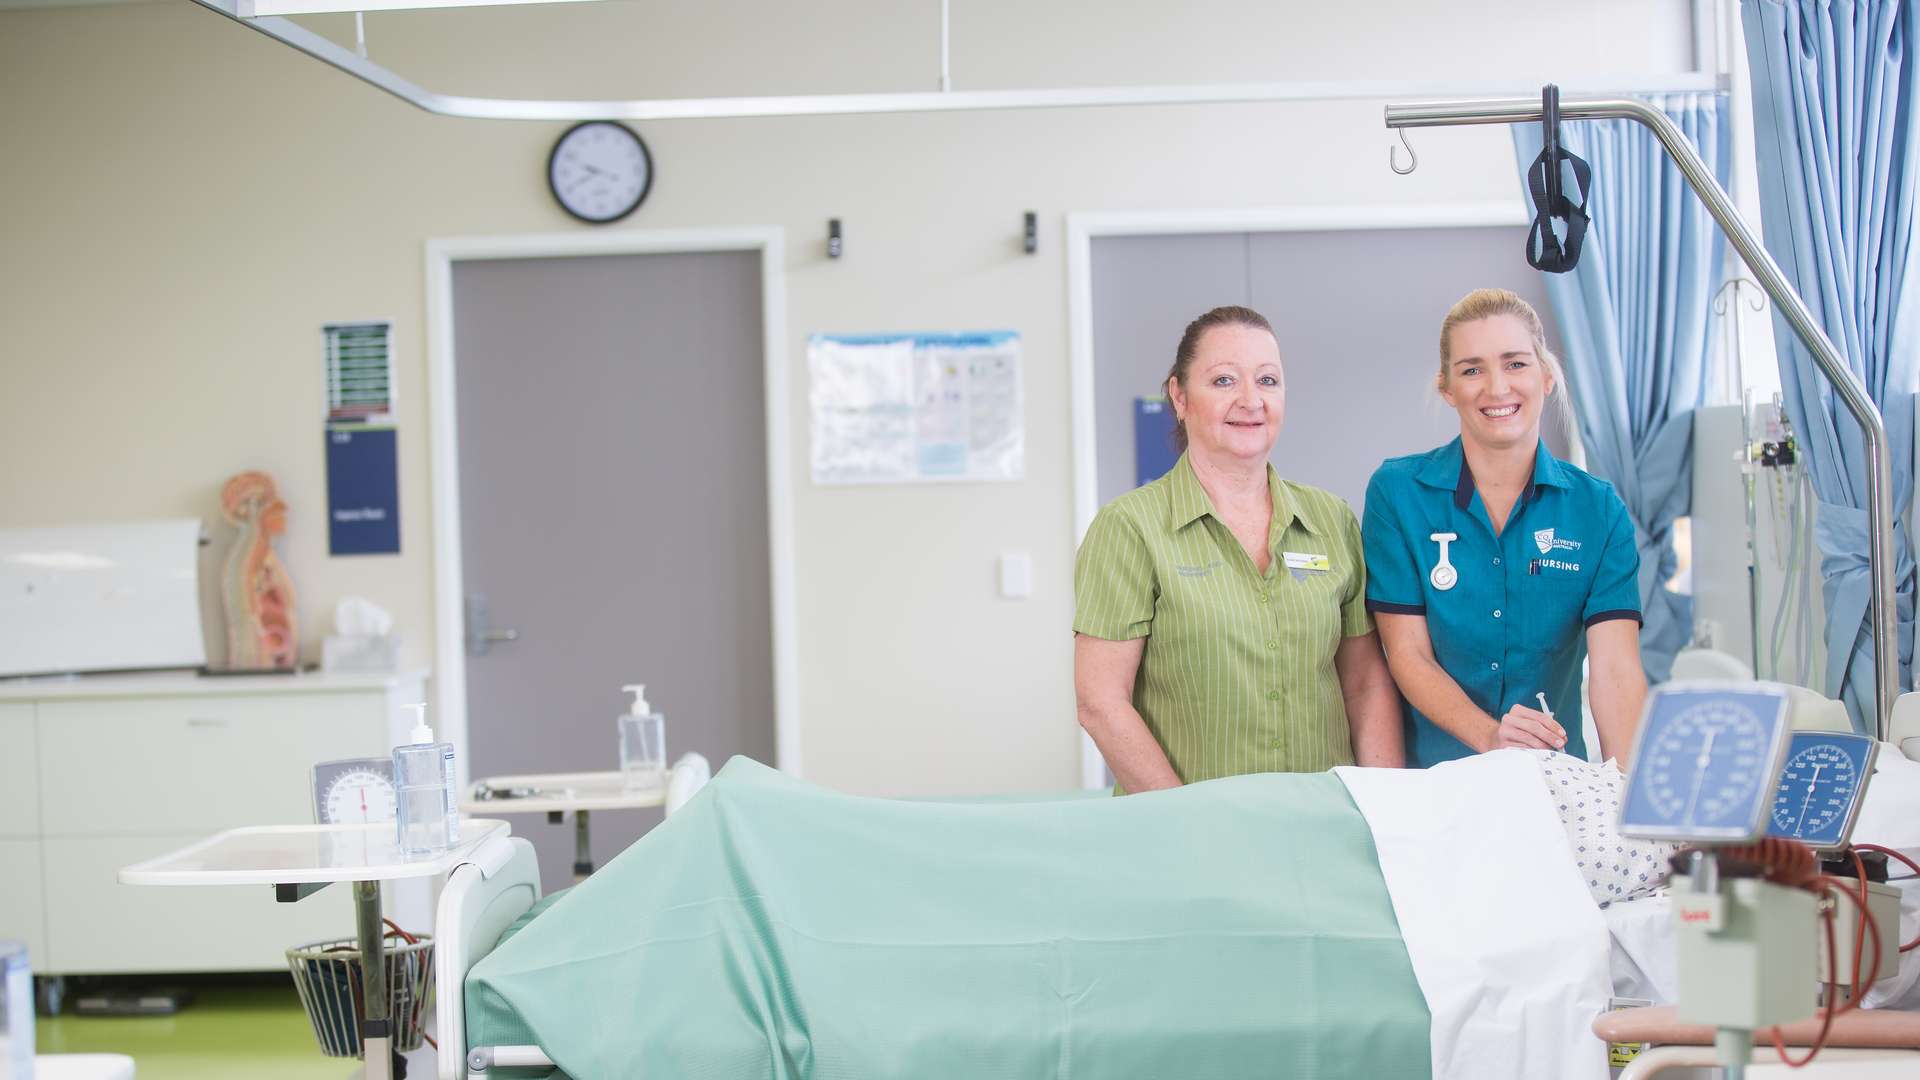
pixel 1309 609
pixel 1551 610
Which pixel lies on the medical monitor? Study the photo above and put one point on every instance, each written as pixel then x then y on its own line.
pixel 1707 762
pixel 1821 788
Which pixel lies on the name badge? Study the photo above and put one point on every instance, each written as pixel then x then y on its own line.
pixel 1297 560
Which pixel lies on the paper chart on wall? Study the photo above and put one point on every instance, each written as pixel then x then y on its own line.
pixel 908 408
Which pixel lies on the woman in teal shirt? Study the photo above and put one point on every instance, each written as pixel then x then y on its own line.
pixel 1493 568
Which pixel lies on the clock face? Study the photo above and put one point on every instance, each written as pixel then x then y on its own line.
pixel 1707 765
pixel 1820 787
pixel 599 171
pixel 358 791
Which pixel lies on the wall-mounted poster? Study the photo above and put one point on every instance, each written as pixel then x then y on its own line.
pixel 908 408
pixel 363 467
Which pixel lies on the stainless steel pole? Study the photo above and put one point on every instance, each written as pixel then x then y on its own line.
pixel 1825 355
pixel 376 1025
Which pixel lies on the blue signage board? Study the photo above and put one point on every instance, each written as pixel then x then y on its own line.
pixel 1153 451
pixel 363 490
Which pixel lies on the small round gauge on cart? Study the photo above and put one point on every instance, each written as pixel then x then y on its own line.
pixel 1821 788
pixel 354 791
pixel 1707 762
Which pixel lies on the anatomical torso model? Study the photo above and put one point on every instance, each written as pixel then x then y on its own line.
pixel 261 629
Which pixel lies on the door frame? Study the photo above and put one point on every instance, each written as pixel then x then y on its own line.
pixel 1084 227
pixel 450 655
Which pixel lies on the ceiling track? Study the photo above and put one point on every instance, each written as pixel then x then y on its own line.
pixel 361 67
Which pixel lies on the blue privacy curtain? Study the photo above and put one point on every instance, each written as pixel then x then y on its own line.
pixel 1636 332
pixel 1834 108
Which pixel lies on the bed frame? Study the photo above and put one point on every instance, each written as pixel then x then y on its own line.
pixel 483 896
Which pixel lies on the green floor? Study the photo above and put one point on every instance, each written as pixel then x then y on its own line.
pixel 228 1032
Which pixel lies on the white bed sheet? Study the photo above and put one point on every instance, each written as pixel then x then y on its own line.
pixel 1488 897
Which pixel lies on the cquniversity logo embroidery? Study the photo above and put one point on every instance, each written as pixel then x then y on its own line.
pixel 1549 543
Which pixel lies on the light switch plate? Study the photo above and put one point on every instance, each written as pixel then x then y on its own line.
pixel 1016 575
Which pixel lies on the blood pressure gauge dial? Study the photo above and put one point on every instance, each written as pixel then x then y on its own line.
pixel 1707 763
pixel 1821 787
pixel 355 791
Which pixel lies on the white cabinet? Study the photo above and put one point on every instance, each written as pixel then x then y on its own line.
pixel 194 764
pixel 19 780
pixel 100 772
pixel 23 914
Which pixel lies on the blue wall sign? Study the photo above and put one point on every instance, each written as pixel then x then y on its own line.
pixel 1153 452
pixel 363 490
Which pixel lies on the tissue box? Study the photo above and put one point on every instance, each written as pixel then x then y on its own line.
pixel 365 654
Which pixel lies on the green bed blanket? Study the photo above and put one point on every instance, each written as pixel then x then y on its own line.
pixel 1236 928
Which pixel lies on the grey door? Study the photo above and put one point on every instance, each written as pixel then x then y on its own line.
pixel 613 501
pixel 1357 314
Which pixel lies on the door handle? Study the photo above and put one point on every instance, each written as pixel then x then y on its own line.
pixel 481 635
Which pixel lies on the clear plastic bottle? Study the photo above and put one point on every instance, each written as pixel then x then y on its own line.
pixel 16 1012
pixel 643 743
pixel 427 816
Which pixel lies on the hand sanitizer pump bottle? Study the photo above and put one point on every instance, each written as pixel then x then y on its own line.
pixel 643 743
pixel 428 817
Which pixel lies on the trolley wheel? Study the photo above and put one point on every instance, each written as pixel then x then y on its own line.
pixel 49 994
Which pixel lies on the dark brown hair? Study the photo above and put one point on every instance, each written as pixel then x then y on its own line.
pixel 1230 315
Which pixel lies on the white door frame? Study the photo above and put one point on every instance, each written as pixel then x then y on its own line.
pixel 444 455
pixel 1081 230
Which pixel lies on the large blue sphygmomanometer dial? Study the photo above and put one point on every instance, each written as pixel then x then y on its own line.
pixel 1821 787
pixel 1707 763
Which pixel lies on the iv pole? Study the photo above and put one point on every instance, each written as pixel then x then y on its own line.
pixel 1786 300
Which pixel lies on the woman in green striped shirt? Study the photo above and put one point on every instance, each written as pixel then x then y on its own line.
pixel 1220 622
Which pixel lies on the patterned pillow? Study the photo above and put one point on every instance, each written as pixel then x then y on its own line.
pixel 1614 867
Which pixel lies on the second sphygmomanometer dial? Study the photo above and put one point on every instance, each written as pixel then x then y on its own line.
pixel 1820 787
pixel 1707 763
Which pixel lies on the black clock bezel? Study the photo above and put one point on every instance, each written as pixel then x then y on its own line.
pixel 646 154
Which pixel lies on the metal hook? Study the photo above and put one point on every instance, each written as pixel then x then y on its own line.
pixel 1393 156
pixel 1759 299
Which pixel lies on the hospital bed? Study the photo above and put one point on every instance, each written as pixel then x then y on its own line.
pixel 498 890
pixel 481 901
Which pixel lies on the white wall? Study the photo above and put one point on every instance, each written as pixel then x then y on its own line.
pixel 187 201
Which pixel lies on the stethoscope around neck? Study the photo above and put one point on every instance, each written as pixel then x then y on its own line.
pixel 1444 576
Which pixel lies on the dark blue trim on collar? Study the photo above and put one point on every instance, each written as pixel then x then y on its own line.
pixel 1547 472
pixel 1463 487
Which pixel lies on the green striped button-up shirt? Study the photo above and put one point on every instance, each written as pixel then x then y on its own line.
pixel 1237 673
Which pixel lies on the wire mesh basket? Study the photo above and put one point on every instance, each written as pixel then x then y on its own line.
pixel 327 975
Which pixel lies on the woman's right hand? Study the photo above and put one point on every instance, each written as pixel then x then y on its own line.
pixel 1529 728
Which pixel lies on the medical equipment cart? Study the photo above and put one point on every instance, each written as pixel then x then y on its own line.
pixel 300 860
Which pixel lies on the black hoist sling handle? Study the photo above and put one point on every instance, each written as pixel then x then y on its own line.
pixel 1545 248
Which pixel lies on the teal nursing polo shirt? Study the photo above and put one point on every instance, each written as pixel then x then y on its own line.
pixel 1513 622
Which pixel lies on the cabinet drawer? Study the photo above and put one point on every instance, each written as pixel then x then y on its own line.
pixel 95 925
pixel 19 772
pixel 156 766
pixel 22 904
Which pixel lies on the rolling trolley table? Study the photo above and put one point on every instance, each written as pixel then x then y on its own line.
pixel 559 794
pixel 300 860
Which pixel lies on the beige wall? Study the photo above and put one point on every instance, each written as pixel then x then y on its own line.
pixel 187 201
